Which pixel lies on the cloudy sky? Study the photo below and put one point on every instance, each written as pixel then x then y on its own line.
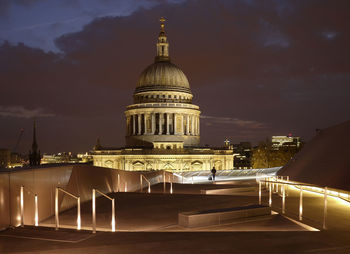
pixel 256 67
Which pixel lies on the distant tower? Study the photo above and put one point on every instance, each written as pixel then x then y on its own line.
pixel 34 155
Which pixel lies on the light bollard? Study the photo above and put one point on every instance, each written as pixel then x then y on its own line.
pixel 78 215
pixel 325 208
pixel 259 192
pixel 22 205
pixel 57 222
pixel 36 213
pixel 270 194
pixel 126 186
pixel 283 198
pixel 301 204
pixel 93 211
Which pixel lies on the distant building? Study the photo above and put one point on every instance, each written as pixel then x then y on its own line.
pixel 5 158
pixel 242 155
pixel 285 141
pixel 66 157
pixel 162 124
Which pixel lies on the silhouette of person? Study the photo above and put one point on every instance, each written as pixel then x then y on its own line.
pixel 213 171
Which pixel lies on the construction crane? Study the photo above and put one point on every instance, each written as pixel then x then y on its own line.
pixel 18 140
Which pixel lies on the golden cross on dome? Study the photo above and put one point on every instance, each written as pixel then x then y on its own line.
pixel 162 20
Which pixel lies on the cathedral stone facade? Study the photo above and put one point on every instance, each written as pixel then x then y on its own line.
pixel 162 125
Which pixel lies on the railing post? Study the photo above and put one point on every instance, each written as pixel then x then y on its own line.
pixel 141 183
pixel 56 209
pixel 94 211
pixel 22 205
pixel 259 192
pixel 118 187
pixel 301 204
pixel 78 215
pixel 171 185
pixel 325 208
pixel 36 215
pixel 164 184
pixel 270 194
pixel 113 215
pixel 283 198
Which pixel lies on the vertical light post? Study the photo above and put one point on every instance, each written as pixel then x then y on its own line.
pixel 94 211
pixel 171 185
pixel 56 210
pixel 36 214
pixel 126 186
pixel 325 208
pixel 283 186
pixel 301 204
pixel 113 215
pixel 164 184
pixel 22 205
pixel 141 183
pixel 78 215
pixel 259 192
pixel 270 194
pixel 118 187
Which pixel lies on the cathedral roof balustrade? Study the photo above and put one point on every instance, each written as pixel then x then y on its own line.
pixel 146 151
pixel 162 105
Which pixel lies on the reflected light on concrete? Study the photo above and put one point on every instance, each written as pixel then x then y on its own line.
pixel 36 215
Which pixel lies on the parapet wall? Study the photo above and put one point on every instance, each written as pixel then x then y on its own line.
pixel 77 179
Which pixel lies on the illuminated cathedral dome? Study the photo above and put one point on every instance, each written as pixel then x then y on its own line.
pixel 163 75
pixel 162 114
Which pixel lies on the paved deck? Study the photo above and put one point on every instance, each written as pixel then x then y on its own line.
pixel 147 223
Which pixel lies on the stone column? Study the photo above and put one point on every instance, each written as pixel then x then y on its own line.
pixel 192 125
pixel 133 125
pixel 139 124
pixel 182 124
pixel 160 124
pixel 167 124
pixel 199 125
pixel 153 123
pixel 187 124
pixel 174 123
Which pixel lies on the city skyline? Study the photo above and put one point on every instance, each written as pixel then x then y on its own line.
pixel 256 68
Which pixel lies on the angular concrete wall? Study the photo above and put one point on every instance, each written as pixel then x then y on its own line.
pixel 325 160
pixel 4 201
pixel 76 179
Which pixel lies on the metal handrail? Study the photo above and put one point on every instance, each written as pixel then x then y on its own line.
pixel 57 208
pixel 301 186
pixel 149 183
pixel 94 210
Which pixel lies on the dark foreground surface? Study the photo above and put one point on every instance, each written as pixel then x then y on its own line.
pixel 28 240
pixel 147 223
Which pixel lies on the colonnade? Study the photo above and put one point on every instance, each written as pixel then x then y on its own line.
pixel 163 124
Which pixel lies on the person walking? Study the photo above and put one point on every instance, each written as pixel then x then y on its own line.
pixel 213 171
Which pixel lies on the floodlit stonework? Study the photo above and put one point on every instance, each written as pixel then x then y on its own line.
pixel 162 125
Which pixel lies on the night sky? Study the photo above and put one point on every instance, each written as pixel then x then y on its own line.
pixel 256 67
